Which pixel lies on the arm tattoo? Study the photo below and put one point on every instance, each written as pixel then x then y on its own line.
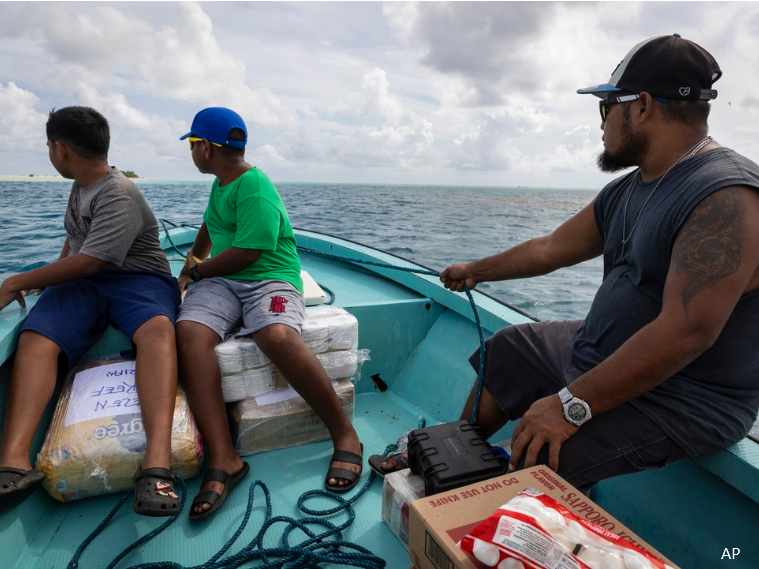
pixel 709 248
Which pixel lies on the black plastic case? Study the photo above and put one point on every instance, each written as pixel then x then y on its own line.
pixel 452 455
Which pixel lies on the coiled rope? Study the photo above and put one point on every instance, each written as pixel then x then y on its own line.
pixel 317 548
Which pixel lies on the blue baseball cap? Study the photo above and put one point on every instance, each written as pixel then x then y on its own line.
pixel 214 124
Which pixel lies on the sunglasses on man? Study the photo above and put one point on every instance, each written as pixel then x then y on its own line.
pixel 194 139
pixel 607 103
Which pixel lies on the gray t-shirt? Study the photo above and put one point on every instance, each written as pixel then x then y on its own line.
pixel 111 221
pixel 712 402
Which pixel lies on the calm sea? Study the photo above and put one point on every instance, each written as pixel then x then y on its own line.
pixel 433 225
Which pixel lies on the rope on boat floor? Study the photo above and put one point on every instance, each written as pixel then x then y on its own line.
pixel 316 549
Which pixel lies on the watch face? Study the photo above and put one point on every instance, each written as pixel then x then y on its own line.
pixel 576 412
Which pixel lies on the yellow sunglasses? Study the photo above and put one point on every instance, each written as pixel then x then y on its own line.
pixel 195 139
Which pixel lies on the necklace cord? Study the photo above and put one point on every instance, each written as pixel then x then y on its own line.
pixel 687 156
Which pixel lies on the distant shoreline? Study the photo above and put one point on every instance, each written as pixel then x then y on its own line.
pixel 49 178
pixel 33 178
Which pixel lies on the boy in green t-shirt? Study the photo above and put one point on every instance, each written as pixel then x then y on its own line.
pixel 253 278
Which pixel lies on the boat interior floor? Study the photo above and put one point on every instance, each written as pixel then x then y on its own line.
pixel 379 419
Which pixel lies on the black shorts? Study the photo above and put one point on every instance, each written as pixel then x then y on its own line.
pixel 527 362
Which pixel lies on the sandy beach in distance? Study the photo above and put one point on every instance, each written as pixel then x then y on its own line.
pixel 33 178
pixel 48 178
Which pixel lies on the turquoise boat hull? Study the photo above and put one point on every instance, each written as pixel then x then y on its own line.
pixel 419 335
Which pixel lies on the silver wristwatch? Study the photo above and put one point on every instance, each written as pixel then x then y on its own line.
pixel 576 411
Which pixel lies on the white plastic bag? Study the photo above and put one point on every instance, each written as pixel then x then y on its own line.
pixel 534 530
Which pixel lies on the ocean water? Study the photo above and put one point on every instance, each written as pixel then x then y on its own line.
pixel 433 225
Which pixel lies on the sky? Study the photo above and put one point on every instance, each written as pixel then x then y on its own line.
pixel 461 93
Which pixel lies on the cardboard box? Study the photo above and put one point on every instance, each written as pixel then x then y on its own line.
pixel 399 489
pixel 438 522
pixel 281 419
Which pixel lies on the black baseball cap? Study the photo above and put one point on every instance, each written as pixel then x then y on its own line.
pixel 669 67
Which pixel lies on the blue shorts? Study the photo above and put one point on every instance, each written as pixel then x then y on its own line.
pixel 75 315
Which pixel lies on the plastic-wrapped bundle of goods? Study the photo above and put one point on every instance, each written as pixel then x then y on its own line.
pixel 281 419
pixel 328 331
pixel 329 328
pixel 338 365
pixel 399 489
pixel 534 530
pixel 96 440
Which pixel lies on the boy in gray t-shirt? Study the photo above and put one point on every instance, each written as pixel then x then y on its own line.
pixel 112 270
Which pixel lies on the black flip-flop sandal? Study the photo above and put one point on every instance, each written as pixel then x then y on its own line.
pixel 154 493
pixel 376 460
pixel 214 498
pixel 345 474
pixel 16 485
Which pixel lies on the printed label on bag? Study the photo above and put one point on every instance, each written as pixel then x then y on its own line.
pixel 520 537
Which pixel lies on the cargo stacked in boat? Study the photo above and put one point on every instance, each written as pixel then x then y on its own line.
pixel 265 413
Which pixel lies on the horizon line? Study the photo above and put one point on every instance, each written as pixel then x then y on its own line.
pixel 53 178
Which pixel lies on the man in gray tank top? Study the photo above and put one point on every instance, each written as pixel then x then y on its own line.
pixel 664 366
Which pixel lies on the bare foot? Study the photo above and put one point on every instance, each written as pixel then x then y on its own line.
pixel 350 444
pixel 231 467
pixel 391 464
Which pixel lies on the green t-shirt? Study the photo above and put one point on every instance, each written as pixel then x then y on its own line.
pixel 249 214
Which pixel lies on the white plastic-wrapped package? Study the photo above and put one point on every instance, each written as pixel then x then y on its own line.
pixel 238 354
pixel 248 383
pixel 399 489
pixel 96 440
pixel 534 530
pixel 329 328
pixel 338 365
pixel 281 419
pixel 329 331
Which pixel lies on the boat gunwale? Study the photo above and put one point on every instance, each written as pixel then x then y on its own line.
pixel 737 466
pixel 420 265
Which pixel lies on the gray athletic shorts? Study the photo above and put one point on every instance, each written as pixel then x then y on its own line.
pixel 527 362
pixel 224 304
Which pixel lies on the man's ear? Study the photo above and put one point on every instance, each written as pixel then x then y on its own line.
pixel 207 149
pixel 646 107
pixel 61 149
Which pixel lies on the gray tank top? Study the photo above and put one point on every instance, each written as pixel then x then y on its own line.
pixel 716 396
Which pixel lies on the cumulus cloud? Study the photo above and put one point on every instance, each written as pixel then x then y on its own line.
pixel 488 43
pixel 432 92
pixel 22 127
pixel 494 144
pixel 158 134
pixel 404 140
pixel 375 100
pixel 110 48
pixel 505 49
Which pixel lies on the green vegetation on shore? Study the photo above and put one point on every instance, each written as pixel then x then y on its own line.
pixel 129 174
